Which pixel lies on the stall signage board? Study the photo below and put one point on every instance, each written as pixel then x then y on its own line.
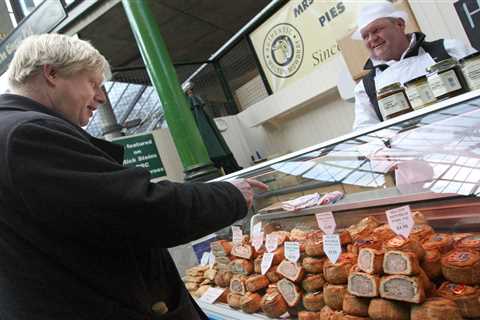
pixel 469 13
pixel 300 37
pixel 400 220
pixel 141 151
pixel 43 19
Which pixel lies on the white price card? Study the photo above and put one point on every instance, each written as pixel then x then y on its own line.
pixel 257 240
pixel 326 222
pixel 205 258
pixel 266 262
pixel 292 250
pixel 257 228
pixel 271 242
pixel 211 260
pixel 237 235
pixel 212 294
pixel 400 220
pixel 332 246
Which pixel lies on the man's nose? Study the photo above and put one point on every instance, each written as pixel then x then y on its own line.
pixel 100 96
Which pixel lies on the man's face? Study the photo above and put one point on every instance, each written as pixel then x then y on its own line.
pixel 77 96
pixel 385 39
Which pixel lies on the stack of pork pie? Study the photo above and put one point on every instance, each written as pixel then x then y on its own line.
pixel 379 275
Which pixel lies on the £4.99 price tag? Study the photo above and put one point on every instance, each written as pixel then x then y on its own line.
pixel 271 242
pixel 266 262
pixel 237 235
pixel 400 220
pixel 332 246
pixel 212 294
pixel 292 250
pixel 326 222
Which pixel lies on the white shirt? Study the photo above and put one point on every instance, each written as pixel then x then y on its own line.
pixel 399 71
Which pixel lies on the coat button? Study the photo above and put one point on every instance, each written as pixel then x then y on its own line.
pixel 159 308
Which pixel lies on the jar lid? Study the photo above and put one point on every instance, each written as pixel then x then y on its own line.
pixel 390 87
pixel 442 65
pixel 415 79
pixel 473 55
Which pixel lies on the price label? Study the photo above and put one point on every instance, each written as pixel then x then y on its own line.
pixel 205 258
pixel 237 235
pixel 400 220
pixel 266 262
pixel 212 294
pixel 271 242
pixel 211 260
pixel 326 222
pixel 257 240
pixel 257 228
pixel 292 250
pixel 332 246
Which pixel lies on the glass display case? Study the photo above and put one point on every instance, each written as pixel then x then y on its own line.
pixel 428 159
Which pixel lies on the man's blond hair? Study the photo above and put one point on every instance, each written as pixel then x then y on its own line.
pixel 67 54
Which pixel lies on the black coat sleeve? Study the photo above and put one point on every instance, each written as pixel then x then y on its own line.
pixel 66 185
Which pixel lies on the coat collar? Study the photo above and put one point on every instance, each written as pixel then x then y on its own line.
pixel 412 50
pixel 21 103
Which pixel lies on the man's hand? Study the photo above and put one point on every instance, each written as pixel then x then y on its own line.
pixel 246 188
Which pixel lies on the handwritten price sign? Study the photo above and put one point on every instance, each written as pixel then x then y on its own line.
pixel 326 222
pixel 332 246
pixel 400 220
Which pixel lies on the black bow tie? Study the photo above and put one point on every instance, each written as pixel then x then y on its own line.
pixel 382 67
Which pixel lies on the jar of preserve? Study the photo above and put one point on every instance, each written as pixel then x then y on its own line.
pixel 419 92
pixel 446 79
pixel 471 70
pixel 393 101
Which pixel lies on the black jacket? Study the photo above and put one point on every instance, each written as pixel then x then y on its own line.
pixel 81 236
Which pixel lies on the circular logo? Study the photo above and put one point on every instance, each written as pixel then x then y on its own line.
pixel 283 50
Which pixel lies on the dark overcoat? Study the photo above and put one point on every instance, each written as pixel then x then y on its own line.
pixel 83 237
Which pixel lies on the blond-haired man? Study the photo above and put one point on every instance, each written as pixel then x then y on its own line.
pixel 81 236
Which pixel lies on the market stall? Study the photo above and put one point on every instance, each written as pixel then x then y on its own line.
pixel 405 215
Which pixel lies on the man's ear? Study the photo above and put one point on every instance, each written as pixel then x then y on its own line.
pixel 50 74
pixel 401 24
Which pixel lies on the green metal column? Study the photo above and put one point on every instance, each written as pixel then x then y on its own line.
pixel 190 147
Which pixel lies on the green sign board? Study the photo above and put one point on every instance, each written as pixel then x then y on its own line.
pixel 141 151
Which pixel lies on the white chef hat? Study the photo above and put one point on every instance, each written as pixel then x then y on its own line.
pixel 374 11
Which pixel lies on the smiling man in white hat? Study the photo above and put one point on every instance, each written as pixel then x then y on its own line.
pixel 394 56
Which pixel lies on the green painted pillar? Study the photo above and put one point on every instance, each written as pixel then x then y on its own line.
pixel 190 147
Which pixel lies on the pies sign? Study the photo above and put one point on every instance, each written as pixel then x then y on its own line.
pixel 292 250
pixel 326 222
pixel 212 294
pixel 400 220
pixel 332 246
pixel 267 260
pixel 237 235
pixel 271 242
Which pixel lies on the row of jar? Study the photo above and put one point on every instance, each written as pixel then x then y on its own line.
pixel 445 79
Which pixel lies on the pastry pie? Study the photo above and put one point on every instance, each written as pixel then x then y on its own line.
pixel 370 260
pixel 337 273
pixel 290 292
pixel 222 278
pixel 244 251
pixel 256 282
pixel 355 305
pixel 333 295
pixel 421 232
pixel 399 243
pixel 272 274
pixel 273 304
pixel 234 300
pixel 462 266
pixel 313 301
pixel 466 298
pixel 241 266
pixel 237 284
pixel 313 265
pixel 436 309
pixel 382 309
pixel 439 241
pixel 402 288
pixel 314 244
pixel 367 242
pixel 362 284
pixel 221 248
pixel 471 242
pixel 432 264
pixel 313 282
pixel 399 262
pixel 363 228
pixel 250 302
pixel 290 270
pixel 383 233
pixel 308 315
